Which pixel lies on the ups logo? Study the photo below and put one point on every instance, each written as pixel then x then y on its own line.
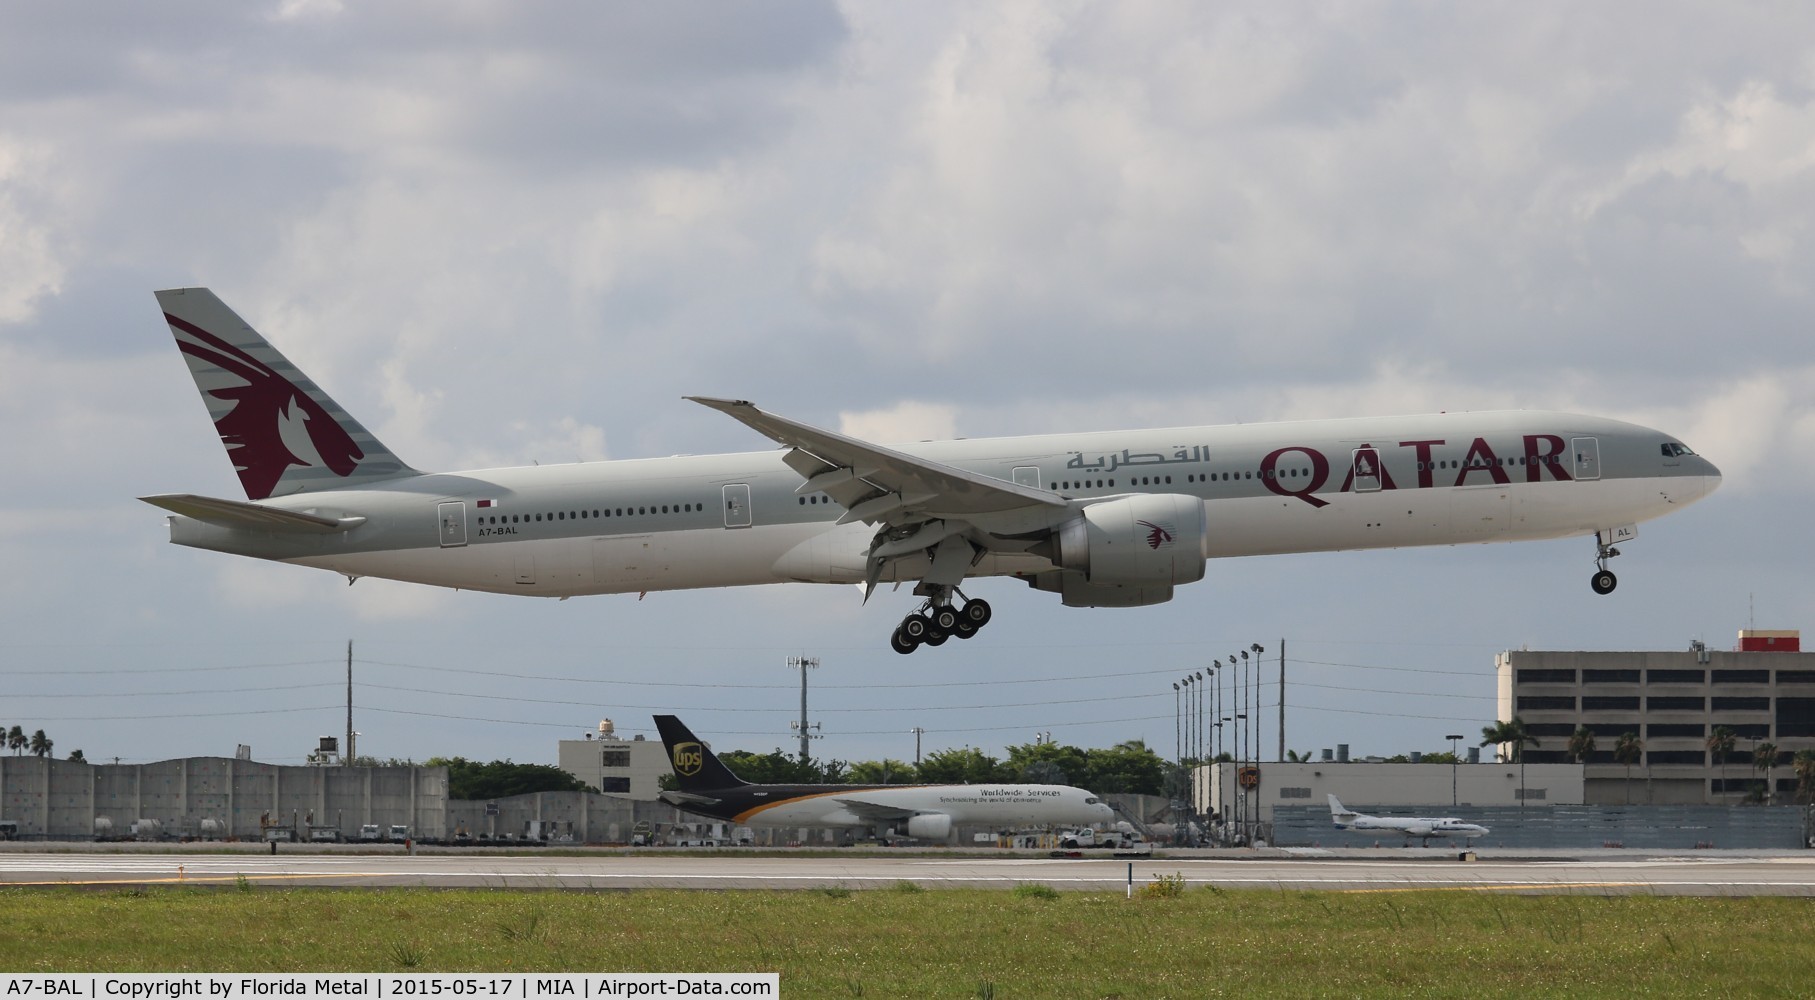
pixel 687 759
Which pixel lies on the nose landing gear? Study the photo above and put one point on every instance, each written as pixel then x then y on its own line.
pixel 937 620
pixel 1603 581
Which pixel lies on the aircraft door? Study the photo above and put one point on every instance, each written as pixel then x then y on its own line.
pixel 737 505
pixel 1587 452
pixel 1027 475
pixel 1366 469
pixel 452 517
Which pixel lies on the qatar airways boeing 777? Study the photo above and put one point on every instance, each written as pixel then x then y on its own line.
pixel 1103 518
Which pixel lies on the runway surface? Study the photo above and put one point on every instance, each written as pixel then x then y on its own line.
pixel 1716 874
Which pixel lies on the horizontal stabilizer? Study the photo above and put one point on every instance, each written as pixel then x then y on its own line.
pixel 250 516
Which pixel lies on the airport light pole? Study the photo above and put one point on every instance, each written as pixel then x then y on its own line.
pixel 1453 737
pixel 1254 814
pixel 917 731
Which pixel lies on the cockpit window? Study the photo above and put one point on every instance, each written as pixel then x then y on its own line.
pixel 1092 801
pixel 1674 450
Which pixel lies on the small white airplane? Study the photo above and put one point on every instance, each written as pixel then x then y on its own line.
pixel 1103 519
pixel 924 812
pixel 1410 826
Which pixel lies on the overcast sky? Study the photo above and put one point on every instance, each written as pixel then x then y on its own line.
pixel 504 233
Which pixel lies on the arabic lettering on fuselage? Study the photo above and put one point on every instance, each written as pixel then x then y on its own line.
pixel 1541 455
pixel 1113 461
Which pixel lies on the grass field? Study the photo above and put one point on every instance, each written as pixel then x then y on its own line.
pixel 908 942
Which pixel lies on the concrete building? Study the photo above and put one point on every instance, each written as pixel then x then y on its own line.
pixel 215 797
pixel 1764 691
pixel 631 768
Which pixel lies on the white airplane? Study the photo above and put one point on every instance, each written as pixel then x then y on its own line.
pixel 1103 519
pixel 924 812
pixel 1411 826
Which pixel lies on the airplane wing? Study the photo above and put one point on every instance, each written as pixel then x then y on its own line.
pixel 874 483
pixel 872 812
pixel 250 516
pixel 921 506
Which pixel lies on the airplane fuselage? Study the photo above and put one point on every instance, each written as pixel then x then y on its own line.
pixel 738 519
pixel 997 806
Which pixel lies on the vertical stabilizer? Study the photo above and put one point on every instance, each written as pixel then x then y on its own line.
pixel 283 434
pixel 696 767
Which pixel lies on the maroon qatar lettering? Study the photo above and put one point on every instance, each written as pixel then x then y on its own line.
pixel 1320 474
pixel 1487 462
pixel 1543 452
pixel 1367 459
pixel 1426 466
pixel 1536 460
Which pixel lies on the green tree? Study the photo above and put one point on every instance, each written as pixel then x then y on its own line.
pixel 1304 756
pixel 1764 757
pixel 1070 762
pixel 76 755
pixel 1721 743
pixel 1511 732
pixel 1128 767
pixel 15 738
pixel 881 772
pixel 1581 744
pixel 962 766
pixel 469 779
pixel 1804 765
pixel 777 768
pixel 1627 750
pixel 40 744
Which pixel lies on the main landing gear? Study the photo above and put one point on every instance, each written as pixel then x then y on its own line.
pixel 937 620
pixel 1603 581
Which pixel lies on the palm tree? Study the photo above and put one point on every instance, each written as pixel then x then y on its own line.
pixel 1764 757
pixel 1627 750
pixel 40 744
pixel 1721 741
pixel 15 739
pixel 1581 744
pixel 76 755
pixel 1804 764
pixel 1512 732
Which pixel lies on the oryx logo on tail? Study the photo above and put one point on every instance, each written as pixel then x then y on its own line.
pixel 282 433
pixel 259 429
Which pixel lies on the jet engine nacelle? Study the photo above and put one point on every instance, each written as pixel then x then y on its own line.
pixel 1150 541
pixel 929 826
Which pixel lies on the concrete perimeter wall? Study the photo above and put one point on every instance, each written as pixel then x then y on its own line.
pixel 61 800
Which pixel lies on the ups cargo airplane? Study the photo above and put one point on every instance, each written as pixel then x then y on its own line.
pixel 925 812
pixel 1102 519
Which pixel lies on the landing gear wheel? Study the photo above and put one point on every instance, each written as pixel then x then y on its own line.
pixel 1603 582
pixel 934 637
pixel 913 629
pixel 901 644
pixel 964 629
pixel 976 612
pixel 945 619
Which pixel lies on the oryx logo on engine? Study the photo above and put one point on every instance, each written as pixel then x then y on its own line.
pixel 688 757
pixel 1157 534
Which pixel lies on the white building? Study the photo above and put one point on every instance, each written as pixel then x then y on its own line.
pixel 631 768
